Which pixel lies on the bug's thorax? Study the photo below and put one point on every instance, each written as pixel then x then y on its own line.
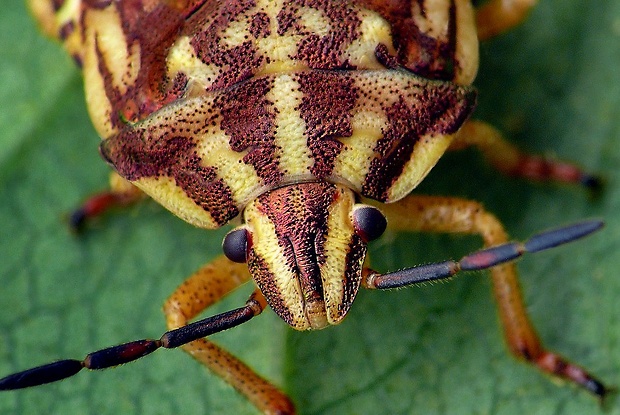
pixel 304 253
pixel 240 97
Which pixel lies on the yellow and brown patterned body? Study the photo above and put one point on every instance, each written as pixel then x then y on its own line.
pixel 211 106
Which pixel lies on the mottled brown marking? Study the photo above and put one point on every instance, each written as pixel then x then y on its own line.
pixel 259 26
pixel 430 57
pixel 249 120
pixel 321 52
pixel 352 273
pixel 326 109
pixel 138 153
pixel 236 63
pixel 438 109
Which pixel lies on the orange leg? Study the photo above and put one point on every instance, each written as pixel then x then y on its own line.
pixel 511 161
pixel 121 193
pixel 442 214
pixel 498 16
pixel 202 289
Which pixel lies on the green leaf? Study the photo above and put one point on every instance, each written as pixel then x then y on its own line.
pixel 551 85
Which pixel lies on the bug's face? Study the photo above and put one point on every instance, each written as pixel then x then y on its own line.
pixel 305 246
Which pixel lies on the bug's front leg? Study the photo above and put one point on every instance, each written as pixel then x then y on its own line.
pixel 509 160
pixel 202 289
pixel 498 16
pixel 121 194
pixel 453 215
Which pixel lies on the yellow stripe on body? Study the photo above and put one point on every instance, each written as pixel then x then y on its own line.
pixel 51 20
pixel 467 50
pixel 166 192
pixel 68 11
pixel 120 59
pixel 433 19
pixel 426 153
pixel 292 152
pixel 374 30
pixel 99 107
pixel 266 245
pixel 339 234
pixel 214 149
pixel 353 162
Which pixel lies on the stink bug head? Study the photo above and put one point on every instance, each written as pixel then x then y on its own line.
pixel 306 249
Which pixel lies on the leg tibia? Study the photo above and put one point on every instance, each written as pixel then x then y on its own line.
pixel 453 215
pixel 205 287
pixel 498 16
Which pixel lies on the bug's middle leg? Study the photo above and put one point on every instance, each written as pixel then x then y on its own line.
pixel 454 215
pixel 509 160
pixel 205 287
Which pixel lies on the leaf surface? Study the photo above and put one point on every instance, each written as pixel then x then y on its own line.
pixel 551 85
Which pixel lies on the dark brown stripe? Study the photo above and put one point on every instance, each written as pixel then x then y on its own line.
pixel 265 280
pixel 66 30
pixel 321 52
pixel 57 4
pixel 249 119
pixel 235 63
pixel 93 4
pixel 328 99
pixel 140 153
pixel 352 274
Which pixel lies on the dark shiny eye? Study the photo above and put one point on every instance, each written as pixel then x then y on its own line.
pixel 368 222
pixel 235 245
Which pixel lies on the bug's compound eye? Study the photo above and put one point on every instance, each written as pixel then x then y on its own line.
pixel 368 222
pixel 236 245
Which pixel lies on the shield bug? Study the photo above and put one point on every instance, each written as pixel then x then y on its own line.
pixel 305 207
